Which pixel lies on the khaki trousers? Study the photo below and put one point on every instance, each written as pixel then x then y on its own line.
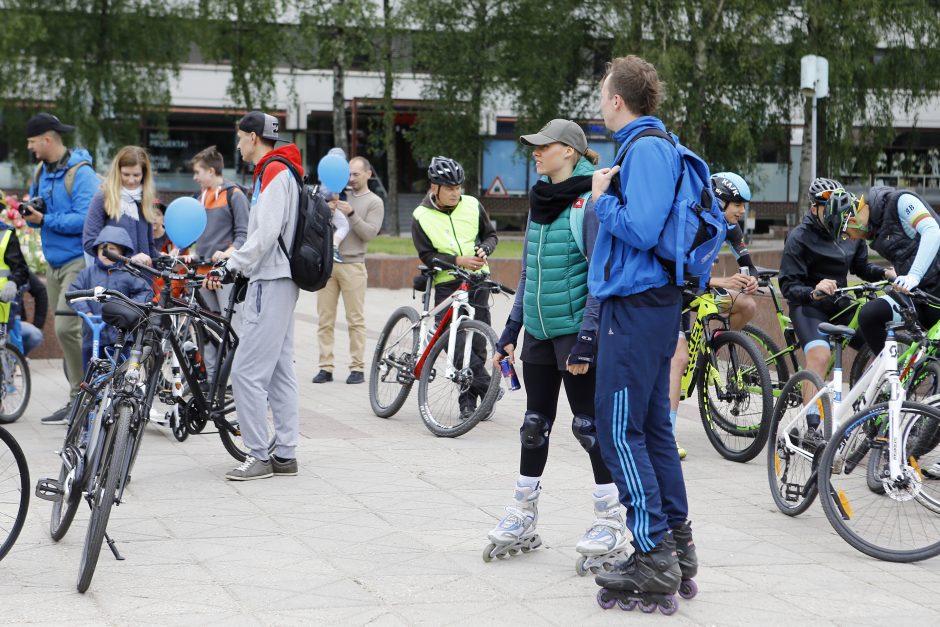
pixel 348 280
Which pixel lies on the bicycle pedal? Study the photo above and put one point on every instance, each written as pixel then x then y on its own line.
pixel 792 492
pixel 49 490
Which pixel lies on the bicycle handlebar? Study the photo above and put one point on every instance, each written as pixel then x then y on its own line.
pixel 471 278
pixel 138 268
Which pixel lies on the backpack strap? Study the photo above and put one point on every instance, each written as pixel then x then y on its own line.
pixel 300 191
pixel 576 223
pixel 70 176
pixel 649 132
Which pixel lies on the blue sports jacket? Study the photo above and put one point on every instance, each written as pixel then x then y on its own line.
pixel 623 262
pixel 65 214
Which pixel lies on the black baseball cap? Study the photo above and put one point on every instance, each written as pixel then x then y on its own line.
pixel 45 122
pixel 261 124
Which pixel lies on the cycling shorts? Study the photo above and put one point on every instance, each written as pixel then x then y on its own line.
pixel 807 318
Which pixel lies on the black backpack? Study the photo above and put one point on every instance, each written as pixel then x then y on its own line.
pixel 311 254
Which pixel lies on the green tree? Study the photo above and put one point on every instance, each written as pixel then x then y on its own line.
pixel 93 62
pixel 337 34
pixel 882 60
pixel 244 34
pixel 726 84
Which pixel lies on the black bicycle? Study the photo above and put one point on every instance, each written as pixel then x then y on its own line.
pixel 14 491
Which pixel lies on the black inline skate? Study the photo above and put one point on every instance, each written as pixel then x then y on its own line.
pixel 648 579
pixel 688 561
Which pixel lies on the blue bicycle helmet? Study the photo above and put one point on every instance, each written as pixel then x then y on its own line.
pixel 730 187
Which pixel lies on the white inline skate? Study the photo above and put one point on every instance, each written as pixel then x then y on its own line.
pixel 516 533
pixel 605 542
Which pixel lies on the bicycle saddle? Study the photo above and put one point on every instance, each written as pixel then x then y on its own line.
pixel 835 330
pixel 766 273
pixel 423 269
pixel 120 315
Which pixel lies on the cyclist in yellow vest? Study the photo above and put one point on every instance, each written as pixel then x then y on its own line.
pixel 14 273
pixel 455 228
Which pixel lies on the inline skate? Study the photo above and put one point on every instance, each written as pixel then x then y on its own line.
pixel 605 542
pixel 648 579
pixel 516 533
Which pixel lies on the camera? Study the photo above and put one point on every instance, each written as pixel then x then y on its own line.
pixel 37 205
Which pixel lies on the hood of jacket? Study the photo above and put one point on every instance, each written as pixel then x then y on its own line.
pixel 289 152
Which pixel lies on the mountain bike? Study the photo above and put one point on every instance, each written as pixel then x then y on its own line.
pixel 15 380
pixel 783 362
pixel 452 361
pixel 195 402
pixel 734 389
pixel 794 456
pixel 14 491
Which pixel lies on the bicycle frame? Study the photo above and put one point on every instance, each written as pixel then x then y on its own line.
pixel 456 303
pixel 707 309
pixel 884 368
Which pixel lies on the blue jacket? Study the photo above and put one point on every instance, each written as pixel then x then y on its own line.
pixel 65 215
pixel 108 277
pixel 630 230
pixel 140 231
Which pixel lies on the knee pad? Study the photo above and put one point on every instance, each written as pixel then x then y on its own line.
pixel 535 430
pixel 584 430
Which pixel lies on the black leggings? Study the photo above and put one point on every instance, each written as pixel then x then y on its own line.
pixel 875 314
pixel 542 384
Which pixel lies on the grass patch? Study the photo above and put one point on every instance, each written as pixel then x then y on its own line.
pixel 403 247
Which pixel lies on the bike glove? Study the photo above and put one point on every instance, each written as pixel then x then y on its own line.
pixel 8 293
pixel 510 335
pixel 907 282
pixel 222 273
pixel 584 348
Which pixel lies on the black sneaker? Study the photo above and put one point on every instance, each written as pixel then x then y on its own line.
pixel 58 417
pixel 323 377
pixel 355 377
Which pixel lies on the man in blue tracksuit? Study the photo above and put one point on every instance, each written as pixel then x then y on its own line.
pixel 639 323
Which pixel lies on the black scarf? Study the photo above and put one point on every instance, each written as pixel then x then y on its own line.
pixel 547 200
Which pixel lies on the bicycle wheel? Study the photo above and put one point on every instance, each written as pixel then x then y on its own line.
pixel 71 469
pixel 735 397
pixel 899 523
pixel 776 362
pixel 14 491
pixel 456 391
pixel 392 372
pixel 924 380
pixel 16 384
pixel 792 460
pixel 224 403
pixel 102 492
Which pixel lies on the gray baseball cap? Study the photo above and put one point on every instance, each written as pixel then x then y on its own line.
pixel 558 130
pixel 261 124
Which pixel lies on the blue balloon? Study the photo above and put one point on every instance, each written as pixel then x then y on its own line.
pixel 333 172
pixel 185 220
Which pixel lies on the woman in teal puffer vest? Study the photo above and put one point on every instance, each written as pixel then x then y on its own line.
pixel 560 321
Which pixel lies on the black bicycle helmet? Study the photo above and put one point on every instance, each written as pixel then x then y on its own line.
pixel 821 188
pixel 445 171
pixel 839 208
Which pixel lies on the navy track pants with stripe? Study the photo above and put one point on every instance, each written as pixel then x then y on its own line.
pixel 637 338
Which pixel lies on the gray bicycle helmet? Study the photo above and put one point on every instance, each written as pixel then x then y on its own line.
pixel 821 188
pixel 445 171
pixel 839 208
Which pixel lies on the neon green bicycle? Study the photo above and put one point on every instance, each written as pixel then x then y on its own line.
pixel 735 397
pixel 782 362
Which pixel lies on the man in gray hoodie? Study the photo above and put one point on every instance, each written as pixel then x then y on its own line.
pixel 263 370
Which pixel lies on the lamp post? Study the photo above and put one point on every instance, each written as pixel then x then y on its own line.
pixel 814 82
